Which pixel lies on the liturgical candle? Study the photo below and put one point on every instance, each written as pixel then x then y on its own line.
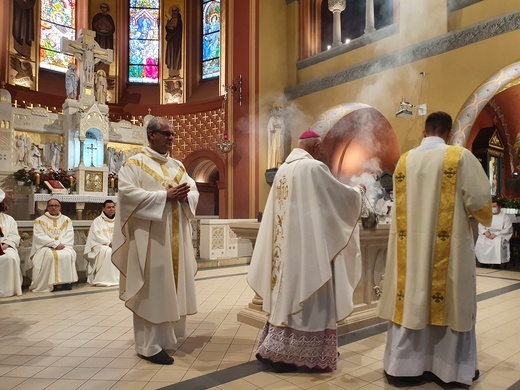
pixel 112 182
pixel 71 180
pixel 37 178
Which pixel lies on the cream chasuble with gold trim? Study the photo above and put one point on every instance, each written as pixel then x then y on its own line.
pixel 430 269
pixel 152 239
pixel 46 266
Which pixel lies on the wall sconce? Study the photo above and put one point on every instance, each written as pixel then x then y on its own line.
pixel 235 89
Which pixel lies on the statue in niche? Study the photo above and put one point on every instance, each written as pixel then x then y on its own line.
pixel 104 26
pixel 23 26
pixel 276 137
pixel 174 41
pixel 71 82
pixel 101 86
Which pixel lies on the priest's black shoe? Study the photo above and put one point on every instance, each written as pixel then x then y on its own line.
pixel 159 358
pixel 477 375
pixel 66 286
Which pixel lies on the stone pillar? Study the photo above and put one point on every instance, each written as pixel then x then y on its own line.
pixel 81 163
pixel 369 17
pixel 336 7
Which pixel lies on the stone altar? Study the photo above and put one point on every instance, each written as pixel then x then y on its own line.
pixel 373 251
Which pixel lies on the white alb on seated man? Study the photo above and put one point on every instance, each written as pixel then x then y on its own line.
pixel 52 262
pixel 10 273
pixel 492 245
pixel 98 249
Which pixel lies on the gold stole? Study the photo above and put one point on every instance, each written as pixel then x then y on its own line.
pixel 175 207
pixel 443 239
pixel 57 231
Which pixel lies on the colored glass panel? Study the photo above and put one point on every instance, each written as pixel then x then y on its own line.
pixel 143 45
pixel 57 21
pixel 210 38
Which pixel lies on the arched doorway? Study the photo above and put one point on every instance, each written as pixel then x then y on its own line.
pixel 208 170
pixel 494 104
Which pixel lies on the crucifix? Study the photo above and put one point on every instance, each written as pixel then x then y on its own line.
pixel 91 148
pixel 89 53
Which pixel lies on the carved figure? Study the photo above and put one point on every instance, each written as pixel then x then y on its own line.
pixel 23 26
pixel 101 86
pixel 71 82
pixel 276 137
pixel 174 41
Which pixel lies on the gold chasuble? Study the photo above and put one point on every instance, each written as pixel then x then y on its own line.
pixel 430 276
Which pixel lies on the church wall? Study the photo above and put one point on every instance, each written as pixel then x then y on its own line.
pixel 473 14
pixel 449 80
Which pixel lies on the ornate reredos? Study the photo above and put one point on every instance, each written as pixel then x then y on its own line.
pixel 93 118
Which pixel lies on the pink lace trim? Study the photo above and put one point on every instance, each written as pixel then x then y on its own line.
pixel 314 350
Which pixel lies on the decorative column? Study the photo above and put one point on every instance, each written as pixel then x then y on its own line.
pixel 336 7
pixel 369 17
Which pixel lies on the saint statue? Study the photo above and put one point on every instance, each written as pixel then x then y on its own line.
pixel 174 41
pixel 101 86
pixel 104 26
pixel 276 137
pixel 71 82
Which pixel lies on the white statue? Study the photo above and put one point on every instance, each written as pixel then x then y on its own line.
pixel 36 157
pixel 71 82
pixel 276 137
pixel 27 161
pixel 20 150
pixel 55 155
pixel 101 86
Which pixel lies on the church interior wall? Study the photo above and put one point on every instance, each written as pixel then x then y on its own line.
pixel 480 10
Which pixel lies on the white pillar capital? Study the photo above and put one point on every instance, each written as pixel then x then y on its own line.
pixel 337 5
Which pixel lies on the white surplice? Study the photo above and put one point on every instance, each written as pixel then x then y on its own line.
pixel 306 262
pixel 149 233
pixel 100 269
pixel 47 266
pixel 496 250
pixel 414 342
pixel 10 272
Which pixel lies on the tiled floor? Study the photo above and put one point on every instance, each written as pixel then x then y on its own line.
pixel 83 339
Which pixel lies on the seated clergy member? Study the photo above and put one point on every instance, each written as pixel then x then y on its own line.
pixel 52 262
pixel 492 245
pixel 10 273
pixel 98 249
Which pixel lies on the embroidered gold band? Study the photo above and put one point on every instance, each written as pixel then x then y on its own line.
pixel 443 240
pixel 401 227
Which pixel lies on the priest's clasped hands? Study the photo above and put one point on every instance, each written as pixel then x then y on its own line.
pixel 179 193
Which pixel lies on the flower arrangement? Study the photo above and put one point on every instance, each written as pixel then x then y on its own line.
pixel 38 176
pixel 509 202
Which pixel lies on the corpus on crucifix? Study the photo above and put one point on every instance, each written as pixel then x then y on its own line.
pixel 89 53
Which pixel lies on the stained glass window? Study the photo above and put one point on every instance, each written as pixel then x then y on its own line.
pixel 58 19
pixel 143 50
pixel 210 38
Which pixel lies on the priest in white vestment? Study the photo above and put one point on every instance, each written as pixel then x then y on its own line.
pixel 492 245
pixel 306 262
pixel 51 265
pixel 429 293
pixel 152 244
pixel 10 272
pixel 98 249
